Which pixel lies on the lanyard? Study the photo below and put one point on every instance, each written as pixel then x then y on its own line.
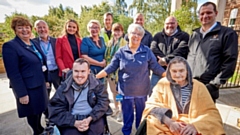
pixel 37 52
pixel 44 49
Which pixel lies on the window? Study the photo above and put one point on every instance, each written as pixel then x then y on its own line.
pixel 233 17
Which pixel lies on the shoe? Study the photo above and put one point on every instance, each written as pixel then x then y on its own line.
pixel 119 117
pixel 115 112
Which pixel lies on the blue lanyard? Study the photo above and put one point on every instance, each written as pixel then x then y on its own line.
pixel 37 52
pixel 44 50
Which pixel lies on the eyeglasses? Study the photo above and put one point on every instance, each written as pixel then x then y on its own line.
pixel 94 28
pixel 136 34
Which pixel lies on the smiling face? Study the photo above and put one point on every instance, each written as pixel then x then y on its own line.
pixel 23 32
pixel 42 30
pixel 71 28
pixel 108 21
pixel 207 15
pixel 170 25
pixel 80 73
pixel 139 19
pixel 94 29
pixel 178 73
pixel 135 37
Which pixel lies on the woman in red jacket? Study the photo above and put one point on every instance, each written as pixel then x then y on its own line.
pixel 68 46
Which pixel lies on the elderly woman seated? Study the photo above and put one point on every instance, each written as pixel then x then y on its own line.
pixel 180 105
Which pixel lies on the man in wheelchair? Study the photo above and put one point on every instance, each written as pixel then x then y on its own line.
pixel 80 103
pixel 180 105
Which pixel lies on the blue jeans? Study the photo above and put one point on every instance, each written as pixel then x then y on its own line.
pixel 154 80
pixel 128 112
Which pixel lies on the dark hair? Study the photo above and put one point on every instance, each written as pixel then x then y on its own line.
pixel 117 26
pixel 208 3
pixel 20 21
pixel 65 29
pixel 107 14
pixel 81 61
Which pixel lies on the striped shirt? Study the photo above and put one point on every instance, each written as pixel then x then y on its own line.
pixel 185 93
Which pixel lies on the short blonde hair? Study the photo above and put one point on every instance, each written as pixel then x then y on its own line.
pixel 93 21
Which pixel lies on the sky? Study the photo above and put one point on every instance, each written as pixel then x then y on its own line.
pixel 40 7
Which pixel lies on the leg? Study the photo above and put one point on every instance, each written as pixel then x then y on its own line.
pixel 128 116
pixel 35 122
pixel 55 79
pixel 97 127
pixel 70 131
pixel 112 86
pixel 139 105
pixel 154 80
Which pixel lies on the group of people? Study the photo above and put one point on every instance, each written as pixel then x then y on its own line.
pixel 181 103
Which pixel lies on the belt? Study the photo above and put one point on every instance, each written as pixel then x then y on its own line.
pixel 80 117
pixel 51 71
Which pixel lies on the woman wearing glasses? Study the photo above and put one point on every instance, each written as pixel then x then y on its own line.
pixel 93 47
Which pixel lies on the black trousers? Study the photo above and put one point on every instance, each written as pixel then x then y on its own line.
pixel 35 123
pixel 95 128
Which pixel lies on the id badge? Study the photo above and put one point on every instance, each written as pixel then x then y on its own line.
pixel 49 62
pixel 119 97
pixel 44 68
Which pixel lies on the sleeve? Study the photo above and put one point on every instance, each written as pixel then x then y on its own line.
pixel 182 49
pixel 153 64
pixel 150 38
pixel 115 62
pixel 203 113
pixel 154 46
pixel 229 58
pixel 11 62
pixel 58 111
pixel 59 55
pixel 102 103
pixel 156 105
pixel 84 47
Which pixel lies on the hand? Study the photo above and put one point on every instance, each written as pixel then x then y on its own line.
pixel 162 61
pixel 175 128
pixel 189 129
pixel 24 100
pixel 48 85
pixel 103 63
pixel 65 70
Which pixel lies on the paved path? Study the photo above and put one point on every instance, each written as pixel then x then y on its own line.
pixel 228 105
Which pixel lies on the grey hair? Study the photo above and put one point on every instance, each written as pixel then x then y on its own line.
pixel 38 21
pixel 93 21
pixel 134 26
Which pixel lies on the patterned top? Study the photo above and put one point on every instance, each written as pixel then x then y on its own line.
pixel 111 49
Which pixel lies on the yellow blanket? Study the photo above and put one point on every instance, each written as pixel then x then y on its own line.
pixel 202 111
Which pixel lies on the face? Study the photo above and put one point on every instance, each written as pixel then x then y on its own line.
pixel 135 37
pixel 94 30
pixel 139 19
pixel 42 30
pixel 207 15
pixel 117 34
pixel 23 32
pixel 108 21
pixel 178 73
pixel 170 25
pixel 80 73
pixel 71 28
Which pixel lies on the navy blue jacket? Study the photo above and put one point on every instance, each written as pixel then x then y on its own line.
pixel 24 70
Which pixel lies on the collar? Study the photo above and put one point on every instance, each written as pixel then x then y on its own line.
pixel 78 87
pixel 40 39
pixel 210 29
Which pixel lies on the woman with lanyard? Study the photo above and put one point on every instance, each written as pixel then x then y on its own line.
pixel 113 45
pixel 26 69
